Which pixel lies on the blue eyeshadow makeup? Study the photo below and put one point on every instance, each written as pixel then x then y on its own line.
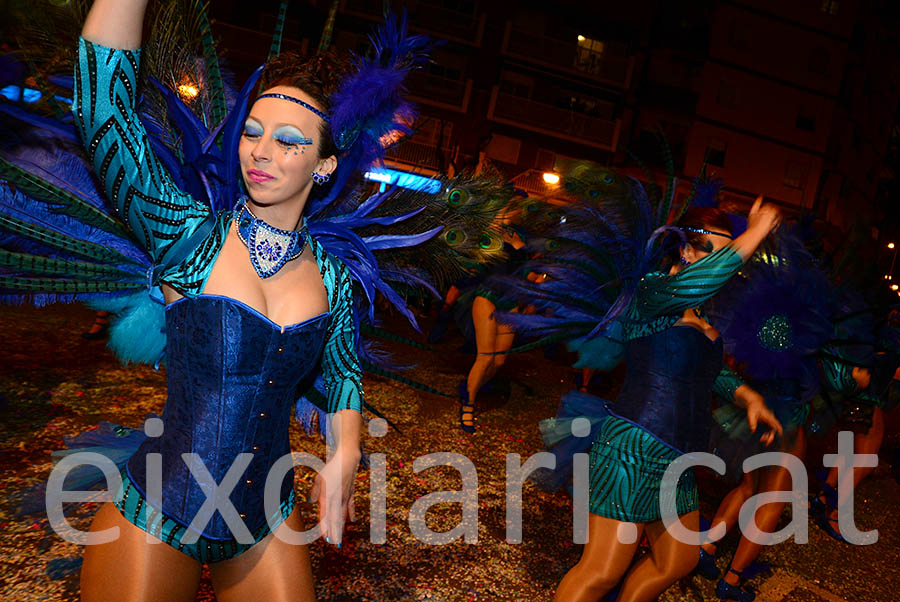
pixel 291 135
pixel 252 128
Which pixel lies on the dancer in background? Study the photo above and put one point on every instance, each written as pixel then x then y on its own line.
pixel 603 282
pixel 674 358
pixel 773 318
pixel 864 389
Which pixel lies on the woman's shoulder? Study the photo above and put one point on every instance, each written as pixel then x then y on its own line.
pixel 334 271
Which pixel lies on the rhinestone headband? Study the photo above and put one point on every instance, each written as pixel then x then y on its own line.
pixel 305 105
pixel 702 231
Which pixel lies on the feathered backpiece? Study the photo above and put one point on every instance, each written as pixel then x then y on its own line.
pixel 774 315
pixel 187 99
pixel 705 191
pixel 61 244
pixel 369 110
pixel 464 208
pixel 589 264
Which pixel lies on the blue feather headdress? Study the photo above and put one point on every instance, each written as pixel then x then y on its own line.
pixel 705 191
pixel 369 108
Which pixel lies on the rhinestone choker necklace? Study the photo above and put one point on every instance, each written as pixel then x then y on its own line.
pixel 270 247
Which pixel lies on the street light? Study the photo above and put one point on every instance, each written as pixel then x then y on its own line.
pixel 188 91
pixel 895 287
pixel 890 245
pixel 581 38
pixel 551 178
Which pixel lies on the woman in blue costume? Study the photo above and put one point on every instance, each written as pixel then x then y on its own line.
pixel 864 388
pixel 245 329
pixel 674 359
pixel 773 319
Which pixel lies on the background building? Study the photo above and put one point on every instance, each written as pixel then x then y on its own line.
pixel 793 100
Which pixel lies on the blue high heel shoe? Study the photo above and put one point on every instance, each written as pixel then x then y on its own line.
pixel 824 522
pixel 821 512
pixel 706 567
pixel 726 591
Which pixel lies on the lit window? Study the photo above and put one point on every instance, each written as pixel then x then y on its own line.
pixel 589 55
pixel 830 7
pixel 403 179
pixel 15 93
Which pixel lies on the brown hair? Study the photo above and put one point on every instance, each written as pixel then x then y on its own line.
pixel 319 77
pixel 704 218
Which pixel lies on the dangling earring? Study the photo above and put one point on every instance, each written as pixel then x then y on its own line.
pixel 684 261
pixel 320 178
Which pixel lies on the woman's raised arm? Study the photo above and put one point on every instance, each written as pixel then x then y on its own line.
pixel 115 23
pixel 148 201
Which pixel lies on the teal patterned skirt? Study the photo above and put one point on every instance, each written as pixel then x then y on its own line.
pixel 137 511
pixel 627 467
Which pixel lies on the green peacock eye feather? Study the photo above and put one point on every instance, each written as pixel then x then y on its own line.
pixel 552 245
pixel 454 237
pixel 489 242
pixel 457 197
pixel 608 179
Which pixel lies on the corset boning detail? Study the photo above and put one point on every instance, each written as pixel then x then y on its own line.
pixel 233 377
pixel 668 386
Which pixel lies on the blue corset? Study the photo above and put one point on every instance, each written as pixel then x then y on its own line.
pixel 233 377
pixel 668 387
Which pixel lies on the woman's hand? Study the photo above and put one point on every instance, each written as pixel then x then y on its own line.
pixel 759 412
pixel 763 217
pixel 333 490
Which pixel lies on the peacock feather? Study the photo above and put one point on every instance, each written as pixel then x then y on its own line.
pixel 278 33
pixel 591 254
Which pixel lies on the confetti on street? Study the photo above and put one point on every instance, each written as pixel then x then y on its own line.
pixel 53 383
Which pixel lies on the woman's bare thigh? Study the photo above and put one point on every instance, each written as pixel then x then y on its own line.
pixel 270 571
pixel 130 569
pixel 485 326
